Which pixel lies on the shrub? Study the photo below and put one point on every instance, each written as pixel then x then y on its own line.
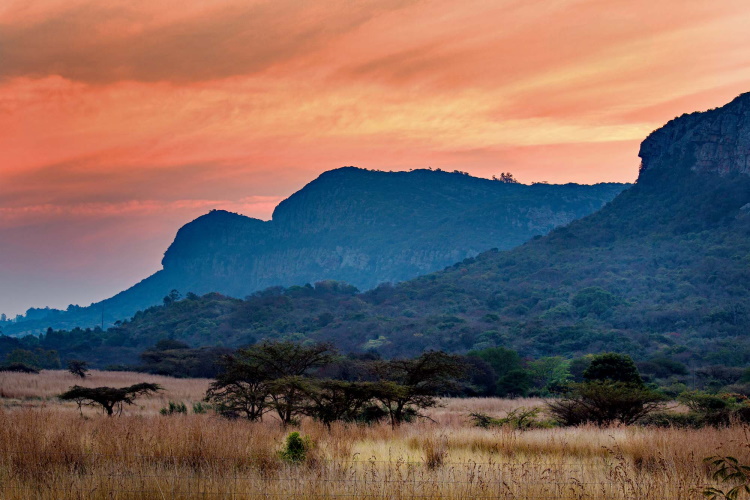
pixel 19 368
pixel 520 418
pixel 605 402
pixel 613 367
pixel 174 408
pixel 200 408
pixel 296 448
pixel 717 409
pixel 668 419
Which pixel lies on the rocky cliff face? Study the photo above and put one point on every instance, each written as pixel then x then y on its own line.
pixel 368 227
pixel 715 141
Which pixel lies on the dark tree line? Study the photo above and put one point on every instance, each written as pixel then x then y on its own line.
pixel 292 380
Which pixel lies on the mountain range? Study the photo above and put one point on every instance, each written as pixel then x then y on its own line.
pixel 360 226
pixel 662 271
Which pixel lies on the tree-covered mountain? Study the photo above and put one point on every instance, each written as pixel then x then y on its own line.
pixel 360 226
pixel 661 272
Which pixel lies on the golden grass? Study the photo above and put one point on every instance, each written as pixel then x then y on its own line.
pixel 49 451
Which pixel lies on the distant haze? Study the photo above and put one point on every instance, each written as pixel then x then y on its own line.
pixel 122 120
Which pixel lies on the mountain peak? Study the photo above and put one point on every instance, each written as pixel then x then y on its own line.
pixel 713 141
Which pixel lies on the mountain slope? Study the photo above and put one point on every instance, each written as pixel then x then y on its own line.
pixel 354 225
pixel 662 270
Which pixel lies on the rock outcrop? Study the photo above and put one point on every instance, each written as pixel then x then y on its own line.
pixel 715 141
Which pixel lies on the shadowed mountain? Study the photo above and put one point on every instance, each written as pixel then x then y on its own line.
pixel 359 226
pixel 662 270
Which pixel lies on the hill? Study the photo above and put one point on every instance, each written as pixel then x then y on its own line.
pixel 661 271
pixel 360 226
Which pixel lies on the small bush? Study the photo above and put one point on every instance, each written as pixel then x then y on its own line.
pixel 174 408
pixel 201 408
pixel 717 409
pixel 296 448
pixel 666 419
pixel 520 418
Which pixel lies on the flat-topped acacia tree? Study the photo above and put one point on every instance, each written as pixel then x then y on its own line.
pixel 108 398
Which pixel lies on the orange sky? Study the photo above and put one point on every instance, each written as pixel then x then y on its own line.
pixel 122 120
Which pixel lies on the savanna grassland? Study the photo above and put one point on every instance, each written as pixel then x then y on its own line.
pixel 50 450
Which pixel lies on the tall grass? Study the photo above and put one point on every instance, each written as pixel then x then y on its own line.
pixel 49 451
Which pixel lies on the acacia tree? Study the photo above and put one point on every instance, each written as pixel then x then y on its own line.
pixel 331 400
pixel 78 368
pixel 288 359
pixel 240 389
pixel 268 376
pixel 409 385
pixel 108 398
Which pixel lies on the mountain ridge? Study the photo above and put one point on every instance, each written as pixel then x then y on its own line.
pixel 349 224
pixel 660 272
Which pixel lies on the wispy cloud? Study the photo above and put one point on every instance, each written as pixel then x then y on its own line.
pixel 156 110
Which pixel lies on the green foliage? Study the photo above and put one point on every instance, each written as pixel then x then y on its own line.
pixel 200 408
pixel 501 360
pixel 290 380
pixel 550 374
pixel 717 409
pixel 174 408
pixel 296 448
pixel 177 359
pixel 38 358
pixel 604 402
pixel 613 367
pixel 670 419
pixel 728 470
pixel 594 300
pixel 515 383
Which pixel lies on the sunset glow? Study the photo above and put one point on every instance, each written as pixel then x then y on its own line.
pixel 122 120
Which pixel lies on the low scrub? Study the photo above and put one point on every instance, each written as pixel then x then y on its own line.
pixel 520 418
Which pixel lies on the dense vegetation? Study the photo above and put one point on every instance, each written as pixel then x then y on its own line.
pixel 360 226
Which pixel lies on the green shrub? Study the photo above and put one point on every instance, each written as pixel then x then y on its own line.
pixel 668 419
pixel 604 402
pixel 717 409
pixel 296 448
pixel 520 418
pixel 174 408
pixel 200 408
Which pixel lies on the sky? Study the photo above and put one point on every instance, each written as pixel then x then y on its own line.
pixel 122 120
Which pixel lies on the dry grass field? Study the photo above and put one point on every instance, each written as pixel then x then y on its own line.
pixel 49 451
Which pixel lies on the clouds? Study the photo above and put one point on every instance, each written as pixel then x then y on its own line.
pixel 156 110
pixel 104 42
